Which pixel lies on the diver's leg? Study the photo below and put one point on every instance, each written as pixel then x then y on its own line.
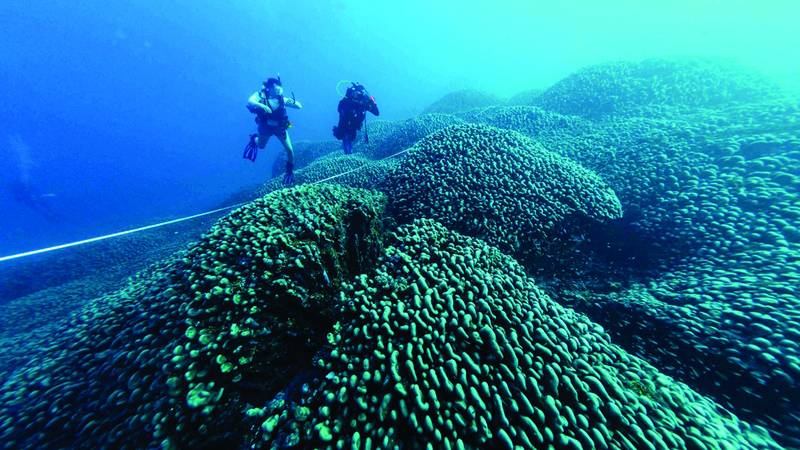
pixel 287 145
pixel 347 145
pixel 264 134
pixel 288 178
pixel 263 138
pixel 351 136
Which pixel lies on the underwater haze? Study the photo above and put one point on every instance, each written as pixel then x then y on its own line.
pixel 115 114
pixel 535 226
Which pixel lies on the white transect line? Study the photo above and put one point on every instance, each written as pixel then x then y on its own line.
pixel 359 167
pixel 117 234
pixel 169 222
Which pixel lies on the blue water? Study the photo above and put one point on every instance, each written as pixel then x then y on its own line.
pixel 116 114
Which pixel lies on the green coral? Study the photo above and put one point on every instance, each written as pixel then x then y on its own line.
pixel 710 201
pixel 497 185
pixel 635 88
pixel 164 358
pixel 546 127
pixel 699 276
pixel 356 171
pixel 387 138
pixel 702 268
pixel 527 97
pixel 305 152
pixel 462 100
pixel 449 344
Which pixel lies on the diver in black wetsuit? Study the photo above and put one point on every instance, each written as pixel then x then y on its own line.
pixel 352 112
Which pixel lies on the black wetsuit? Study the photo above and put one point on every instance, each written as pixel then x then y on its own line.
pixel 352 111
pixel 351 116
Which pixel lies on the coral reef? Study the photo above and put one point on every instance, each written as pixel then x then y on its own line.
pixel 356 171
pixel 499 186
pixel 666 191
pixel 28 322
pixel 448 344
pixel 713 201
pixel 305 153
pixel 624 88
pixel 387 138
pixel 525 98
pixel 160 360
pixel 709 201
pixel 545 127
pixel 462 100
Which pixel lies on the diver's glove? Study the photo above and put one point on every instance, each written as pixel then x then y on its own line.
pixel 288 178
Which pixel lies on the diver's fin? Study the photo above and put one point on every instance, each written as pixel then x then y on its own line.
pixel 251 149
pixel 289 177
pixel 250 153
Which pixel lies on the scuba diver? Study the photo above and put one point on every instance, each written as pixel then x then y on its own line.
pixel 352 113
pixel 269 105
pixel 26 194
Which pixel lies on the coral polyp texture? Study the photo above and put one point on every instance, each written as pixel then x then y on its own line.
pixel 164 360
pixel 710 201
pixel 461 101
pixel 447 344
pixel 658 198
pixel 525 98
pixel 377 139
pixel 348 170
pixel 624 88
pixel 543 126
pixel 499 186
pixel 387 138
pixel 305 153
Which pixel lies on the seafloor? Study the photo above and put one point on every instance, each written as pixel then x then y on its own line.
pixel 612 262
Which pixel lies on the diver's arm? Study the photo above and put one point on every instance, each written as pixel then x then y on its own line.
pixel 373 107
pixel 292 103
pixel 254 103
pixel 368 103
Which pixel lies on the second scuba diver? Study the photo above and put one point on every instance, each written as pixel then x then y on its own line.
pixel 269 105
pixel 352 112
